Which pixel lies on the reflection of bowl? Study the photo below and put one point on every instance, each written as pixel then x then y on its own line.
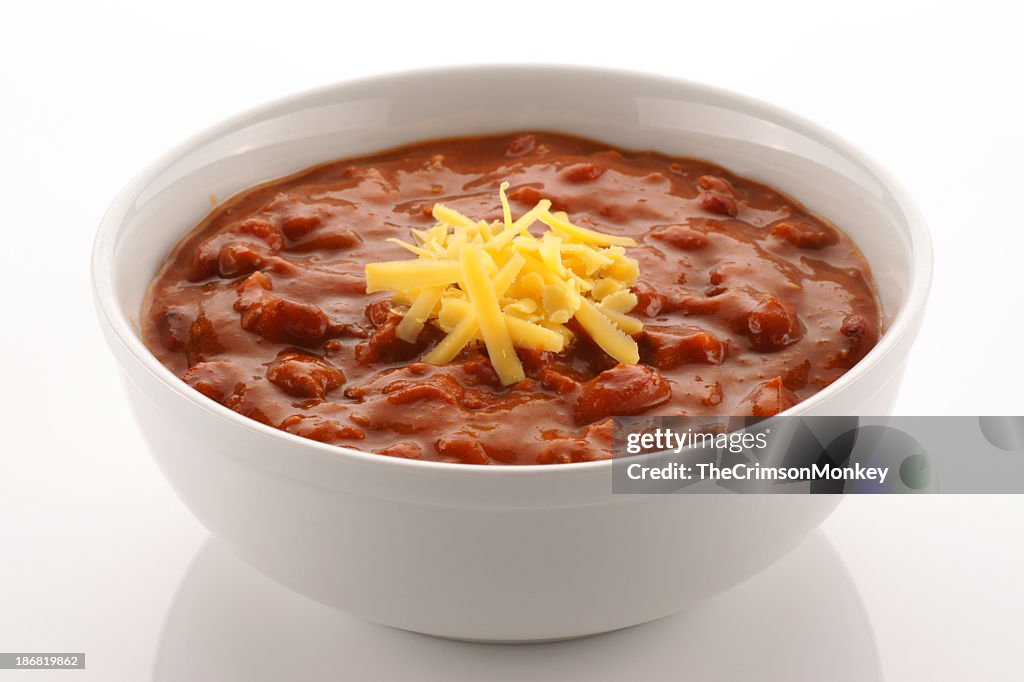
pixel 228 622
pixel 521 553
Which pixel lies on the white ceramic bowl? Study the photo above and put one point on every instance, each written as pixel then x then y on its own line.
pixel 502 553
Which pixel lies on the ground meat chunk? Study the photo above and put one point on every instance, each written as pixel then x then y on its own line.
pixel 304 376
pixel 262 229
pixel 462 448
pixel 317 427
pixel 203 341
pixel 439 387
pixel 285 321
pixel 383 345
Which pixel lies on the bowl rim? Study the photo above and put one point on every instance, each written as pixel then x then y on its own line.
pixel 114 318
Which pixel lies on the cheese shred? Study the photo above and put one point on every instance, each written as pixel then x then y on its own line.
pixel 501 285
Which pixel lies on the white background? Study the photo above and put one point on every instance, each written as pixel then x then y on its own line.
pixel 93 544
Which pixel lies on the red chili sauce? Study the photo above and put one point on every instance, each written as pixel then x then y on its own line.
pixel 750 303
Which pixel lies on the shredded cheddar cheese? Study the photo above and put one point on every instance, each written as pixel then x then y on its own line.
pixel 501 285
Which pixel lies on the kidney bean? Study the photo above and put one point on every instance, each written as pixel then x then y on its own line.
pixel 714 396
pixel 582 172
pixel 854 326
pixel 297 226
pixel 304 376
pixel 524 144
pixel 716 183
pixel 668 347
pixel 173 326
pixel 379 312
pixel 769 398
pixel 713 202
pixel 526 194
pixel 681 237
pixel 861 335
pixel 252 288
pixel 620 391
pixel 805 234
pixel 238 258
pixel 206 258
pixel 768 322
pixel 404 449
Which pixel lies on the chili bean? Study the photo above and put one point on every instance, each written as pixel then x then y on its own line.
pixel 717 184
pixel 713 202
pixel 622 390
pixel 681 237
pixel 297 226
pixel 805 234
pixel 172 327
pixel 714 396
pixel 769 398
pixel 404 449
pixel 582 172
pixel 524 144
pixel 526 194
pixel 668 347
pixel 238 258
pixel 769 323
